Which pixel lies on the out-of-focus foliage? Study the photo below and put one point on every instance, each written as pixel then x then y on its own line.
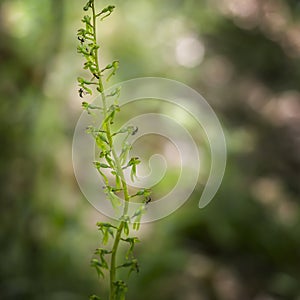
pixel 244 57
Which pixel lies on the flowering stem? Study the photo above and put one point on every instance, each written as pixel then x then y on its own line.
pixel 109 160
pixel 120 173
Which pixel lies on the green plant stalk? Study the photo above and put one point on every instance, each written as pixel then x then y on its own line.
pixel 104 138
pixel 120 173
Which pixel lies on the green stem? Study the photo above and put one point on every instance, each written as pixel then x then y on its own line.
pixel 120 173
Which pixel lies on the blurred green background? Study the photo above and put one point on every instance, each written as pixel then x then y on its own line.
pixel 243 56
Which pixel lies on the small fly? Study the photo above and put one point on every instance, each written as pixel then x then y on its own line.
pixel 81 40
pixel 148 200
pixel 81 93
